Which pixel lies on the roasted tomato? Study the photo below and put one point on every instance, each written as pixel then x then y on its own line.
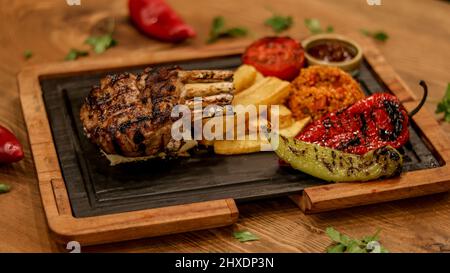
pixel 281 57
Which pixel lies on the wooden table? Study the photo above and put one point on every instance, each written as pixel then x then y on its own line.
pixel 418 48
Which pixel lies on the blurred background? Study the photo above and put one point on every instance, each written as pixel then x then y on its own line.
pixel 419 32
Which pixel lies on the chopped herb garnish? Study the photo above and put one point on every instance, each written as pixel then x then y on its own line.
pixel 245 236
pixel 344 244
pixel 75 54
pixel 27 54
pixel 377 35
pixel 315 27
pixel 444 105
pixel 4 188
pixel 218 30
pixel 329 29
pixel 279 23
pixel 101 43
pixel 380 36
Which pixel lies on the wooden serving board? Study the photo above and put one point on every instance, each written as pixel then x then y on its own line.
pixel 139 223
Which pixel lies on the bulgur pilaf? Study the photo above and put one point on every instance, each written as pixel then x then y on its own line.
pixel 322 89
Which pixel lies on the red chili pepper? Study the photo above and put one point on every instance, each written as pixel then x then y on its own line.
pixel 157 19
pixel 371 123
pixel 10 148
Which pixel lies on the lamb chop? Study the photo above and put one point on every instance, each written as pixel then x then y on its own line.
pixel 130 115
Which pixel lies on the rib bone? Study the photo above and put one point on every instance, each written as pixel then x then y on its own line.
pixel 130 115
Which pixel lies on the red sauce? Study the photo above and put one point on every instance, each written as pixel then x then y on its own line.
pixel 332 51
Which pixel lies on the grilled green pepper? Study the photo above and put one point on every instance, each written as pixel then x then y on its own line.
pixel 333 165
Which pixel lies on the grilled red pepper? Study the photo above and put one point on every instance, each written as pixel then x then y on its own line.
pixel 10 148
pixel 369 124
pixel 157 19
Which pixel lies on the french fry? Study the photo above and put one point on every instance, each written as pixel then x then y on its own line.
pixel 244 77
pixel 206 143
pixel 268 91
pixel 285 121
pixel 259 77
pixel 233 147
pixel 295 128
pixel 285 118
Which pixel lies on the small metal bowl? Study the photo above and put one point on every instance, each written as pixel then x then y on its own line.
pixel 351 66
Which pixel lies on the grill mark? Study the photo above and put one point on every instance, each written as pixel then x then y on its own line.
pixel 328 166
pixel 96 100
pixel 363 127
pixel 162 113
pixel 127 124
pixel 120 92
pixel 138 137
pixel 115 110
pixel 350 171
pixel 296 151
pixel 114 78
pixel 142 148
pixel 352 142
pixel 111 115
pixel 116 144
pixel 392 108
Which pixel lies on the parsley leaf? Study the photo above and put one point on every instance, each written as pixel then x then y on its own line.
pixel 75 54
pixel 218 30
pixel 354 247
pixel 336 248
pixel 444 105
pixel 315 27
pixel 375 237
pixel 4 188
pixel 245 236
pixel 344 244
pixel 380 36
pixel 101 43
pixel 333 234
pixel 236 32
pixel 279 23
pixel 377 35
pixel 27 54
pixel 218 24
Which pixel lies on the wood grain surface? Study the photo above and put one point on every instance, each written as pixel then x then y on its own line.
pixel 417 49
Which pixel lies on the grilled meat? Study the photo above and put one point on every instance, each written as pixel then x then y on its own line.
pixel 130 115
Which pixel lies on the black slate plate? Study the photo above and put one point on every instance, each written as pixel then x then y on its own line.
pixel 95 188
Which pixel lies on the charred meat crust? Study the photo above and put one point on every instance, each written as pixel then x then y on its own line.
pixel 125 112
pixel 130 115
